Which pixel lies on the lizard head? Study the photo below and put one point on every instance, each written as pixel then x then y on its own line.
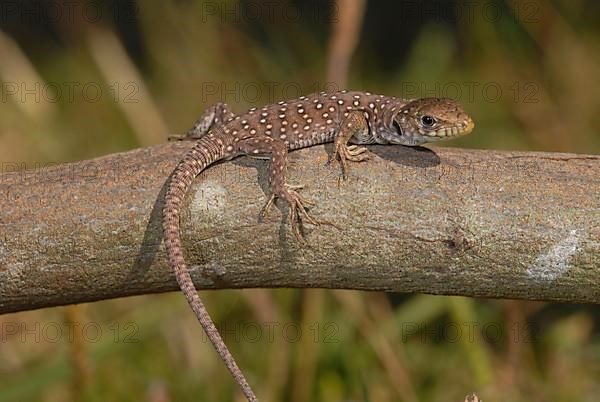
pixel 427 120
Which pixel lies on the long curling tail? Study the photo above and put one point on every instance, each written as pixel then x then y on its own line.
pixel 206 151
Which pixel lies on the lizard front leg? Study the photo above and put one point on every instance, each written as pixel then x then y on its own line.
pixel 355 123
pixel 212 117
pixel 264 145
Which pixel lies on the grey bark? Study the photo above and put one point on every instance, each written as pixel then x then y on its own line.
pixel 447 221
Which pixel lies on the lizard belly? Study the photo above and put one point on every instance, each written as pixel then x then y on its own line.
pixel 314 138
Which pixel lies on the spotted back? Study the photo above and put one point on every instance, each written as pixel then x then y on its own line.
pixel 316 118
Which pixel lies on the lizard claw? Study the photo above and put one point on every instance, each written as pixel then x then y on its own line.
pixel 297 210
pixel 344 153
pixel 355 150
pixel 266 208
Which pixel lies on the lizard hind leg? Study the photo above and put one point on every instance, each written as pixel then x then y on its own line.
pixel 279 188
pixel 214 116
pixel 353 124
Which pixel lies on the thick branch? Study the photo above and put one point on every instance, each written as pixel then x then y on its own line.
pixel 475 223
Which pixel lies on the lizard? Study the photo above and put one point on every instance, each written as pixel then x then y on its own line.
pixel 349 119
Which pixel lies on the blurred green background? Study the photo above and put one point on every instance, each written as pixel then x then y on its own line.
pixel 84 79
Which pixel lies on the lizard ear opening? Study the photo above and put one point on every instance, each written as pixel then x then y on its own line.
pixel 397 127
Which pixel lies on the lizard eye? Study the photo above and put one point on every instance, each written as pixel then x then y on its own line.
pixel 427 121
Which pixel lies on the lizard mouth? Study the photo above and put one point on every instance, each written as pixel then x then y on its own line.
pixel 454 131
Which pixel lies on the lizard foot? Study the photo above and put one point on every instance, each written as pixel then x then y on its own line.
pixel 297 210
pixel 344 153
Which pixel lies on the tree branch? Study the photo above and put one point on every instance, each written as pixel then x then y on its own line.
pixel 462 222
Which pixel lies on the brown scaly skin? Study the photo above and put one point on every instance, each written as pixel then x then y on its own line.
pixel 343 117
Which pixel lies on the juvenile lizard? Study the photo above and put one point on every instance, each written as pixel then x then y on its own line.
pixel 344 117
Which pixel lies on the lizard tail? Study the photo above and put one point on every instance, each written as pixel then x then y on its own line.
pixel 205 152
